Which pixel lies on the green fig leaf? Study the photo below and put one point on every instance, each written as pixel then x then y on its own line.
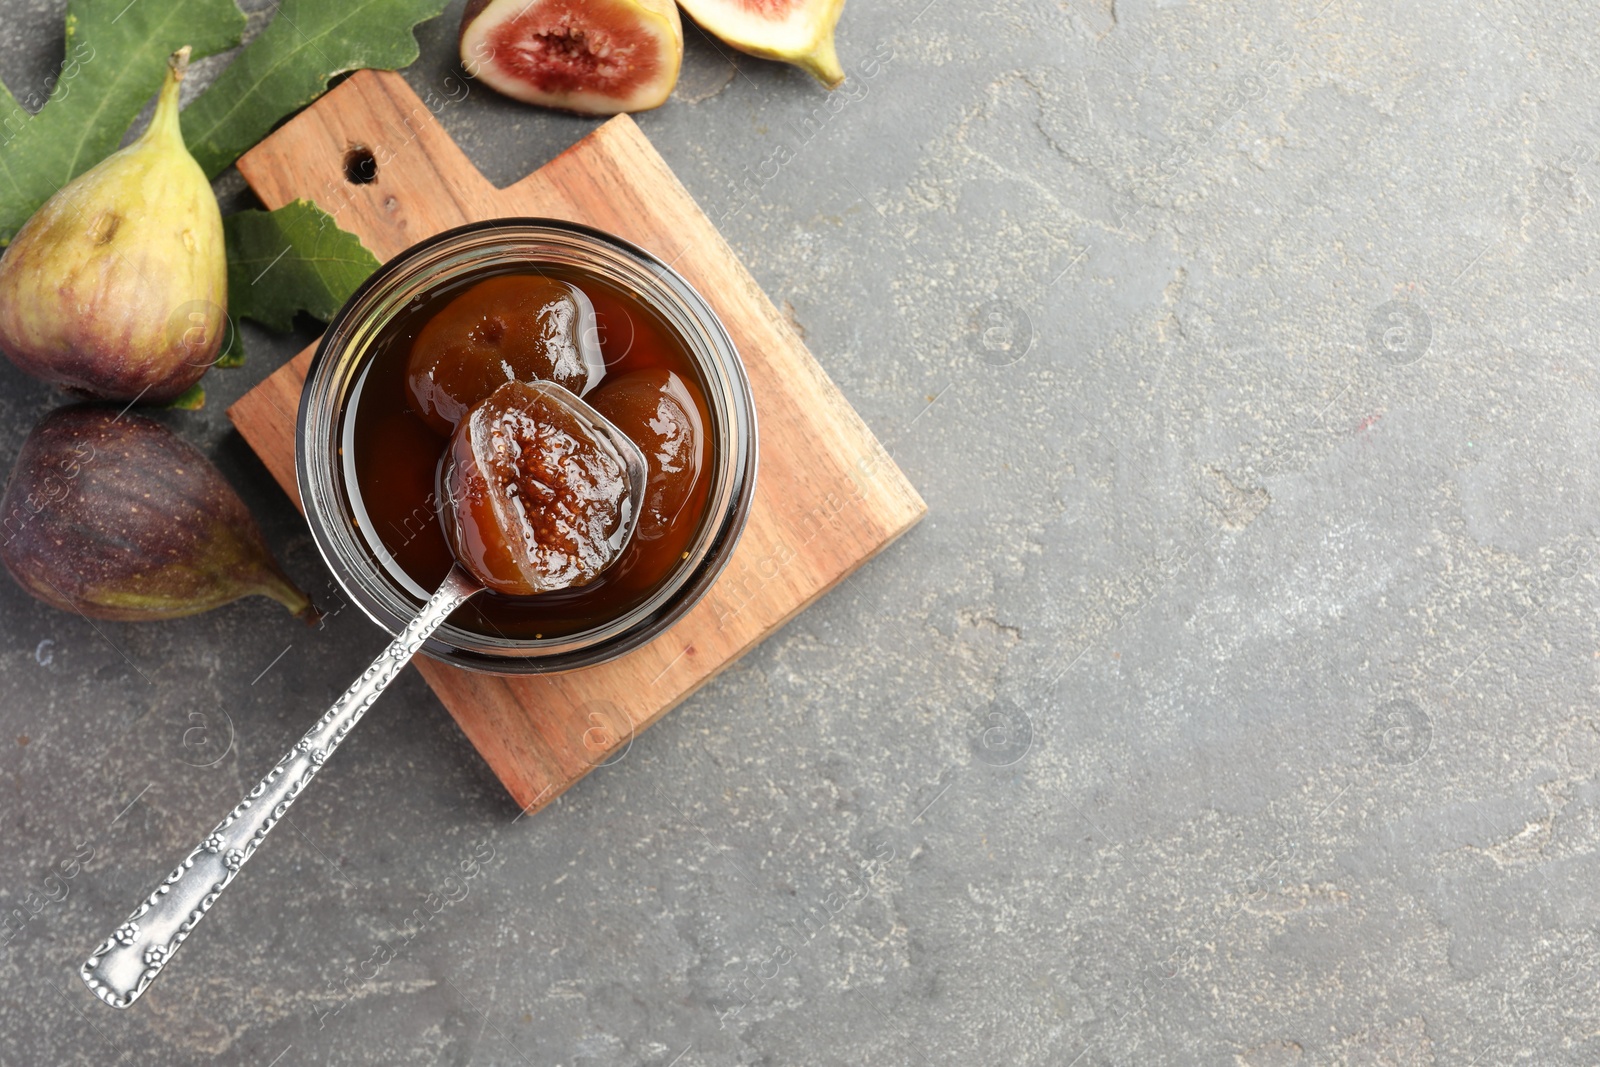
pixel 232 354
pixel 11 116
pixel 191 399
pixel 290 260
pixel 115 59
pixel 289 65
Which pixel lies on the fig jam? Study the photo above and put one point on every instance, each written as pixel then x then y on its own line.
pixel 393 475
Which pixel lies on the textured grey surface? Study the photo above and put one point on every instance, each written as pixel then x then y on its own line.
pixel 1234 705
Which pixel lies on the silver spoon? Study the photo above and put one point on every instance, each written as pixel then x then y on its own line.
pixel 130 959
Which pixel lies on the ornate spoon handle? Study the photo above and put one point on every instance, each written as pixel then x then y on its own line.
pixel 130 959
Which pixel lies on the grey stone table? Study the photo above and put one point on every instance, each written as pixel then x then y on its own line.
pixel 1235 704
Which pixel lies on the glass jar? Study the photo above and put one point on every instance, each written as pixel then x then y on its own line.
pixel 368 574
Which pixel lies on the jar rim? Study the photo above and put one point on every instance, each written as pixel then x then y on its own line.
pixel 347 349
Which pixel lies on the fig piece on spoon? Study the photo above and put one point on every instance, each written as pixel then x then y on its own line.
pixel 600 462
pixel 541 496
pixel 598 57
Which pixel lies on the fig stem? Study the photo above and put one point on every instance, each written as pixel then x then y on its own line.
pixel 164 123
pixel 280 587
pixel 823 64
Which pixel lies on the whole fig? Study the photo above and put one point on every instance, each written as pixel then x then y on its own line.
pixel 117 517
pixel 118 285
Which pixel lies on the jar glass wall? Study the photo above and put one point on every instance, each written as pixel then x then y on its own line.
pixel 331 494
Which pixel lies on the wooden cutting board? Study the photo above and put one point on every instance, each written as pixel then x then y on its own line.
pixel 828 496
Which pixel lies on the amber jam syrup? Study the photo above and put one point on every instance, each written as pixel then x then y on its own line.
pixel 396 501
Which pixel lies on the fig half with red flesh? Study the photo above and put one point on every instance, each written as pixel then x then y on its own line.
pixel 598 57
pixel 794 31
pixel 512 327
pixel 543 492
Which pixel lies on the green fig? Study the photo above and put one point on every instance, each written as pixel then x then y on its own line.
pixel 118 285
pixel 115 516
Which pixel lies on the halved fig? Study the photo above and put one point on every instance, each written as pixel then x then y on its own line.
pixel 598 57
pixel 794 31
pixel 541 497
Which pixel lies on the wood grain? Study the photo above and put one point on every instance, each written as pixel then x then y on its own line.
pixel 828 497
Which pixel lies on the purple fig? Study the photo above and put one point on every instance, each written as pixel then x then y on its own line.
pixel 117 517
pixel 118 285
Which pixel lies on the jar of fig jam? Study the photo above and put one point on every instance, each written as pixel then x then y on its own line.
pixel 367 460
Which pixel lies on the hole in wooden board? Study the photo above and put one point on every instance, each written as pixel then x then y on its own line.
pixel 360 166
